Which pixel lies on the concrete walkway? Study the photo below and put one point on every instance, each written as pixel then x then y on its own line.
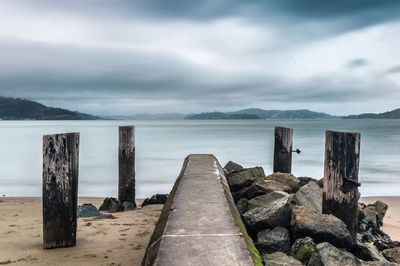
pixel 200 228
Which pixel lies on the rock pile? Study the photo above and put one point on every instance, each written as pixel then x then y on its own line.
pixel 155 199
pixel 113 205
pixel 283 215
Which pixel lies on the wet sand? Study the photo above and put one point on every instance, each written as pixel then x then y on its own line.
pixel 120 241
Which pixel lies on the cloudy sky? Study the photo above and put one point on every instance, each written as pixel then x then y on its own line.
pixel 132 56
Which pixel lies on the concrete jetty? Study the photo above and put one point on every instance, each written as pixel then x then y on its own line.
pixel 199 224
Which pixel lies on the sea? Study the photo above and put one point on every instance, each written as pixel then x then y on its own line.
pixel 161 147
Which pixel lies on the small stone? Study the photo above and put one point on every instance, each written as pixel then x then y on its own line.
pixel 155 199
pixel 88 210
pixel 302 249
pixel 127 205
pixel 280 259
pixel 111 205
pixel 106 216
pixel 274 240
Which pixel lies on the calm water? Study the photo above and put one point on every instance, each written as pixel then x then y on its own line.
pixel 162 145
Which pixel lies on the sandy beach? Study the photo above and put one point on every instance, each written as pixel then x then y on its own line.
pixel 391 222
pixel 120 241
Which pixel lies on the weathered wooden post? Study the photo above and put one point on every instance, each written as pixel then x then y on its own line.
pixel 283 150
pixel 60 189
pixel 126 164
pixel 340 197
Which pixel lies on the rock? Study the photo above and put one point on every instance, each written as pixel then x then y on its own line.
pixel 320 227
pixel 88 210
pixel 277 239
pixel 291 182
pixel 321 183
pixel 111 205
pixel 392 254
pixel 155 199
pixel 265 199
pixel 242 205
pixel 373 214
pixel 127 205
pixel 261 187
pixel 106 216
pixel 368 252
pixel 304 180
pixel 280 259
pixel 326 254
pixel 232 167
pixel 276 213
pixel 302 249
pixel 238 180
pixel 310 196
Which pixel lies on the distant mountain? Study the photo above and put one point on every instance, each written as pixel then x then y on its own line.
pixel 395 114
pixel 143 116
pixel 220 115
pixel 20 109
pixel 257 113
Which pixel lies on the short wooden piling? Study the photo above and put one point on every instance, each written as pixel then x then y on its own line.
pixel 340 197
pixel 126 164
pixel 283 150
pixel 60 189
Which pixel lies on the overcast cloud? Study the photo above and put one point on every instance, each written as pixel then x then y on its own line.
pixel 126 57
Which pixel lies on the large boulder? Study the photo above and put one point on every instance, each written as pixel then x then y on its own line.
pixel 367 251
pixel 232 167
pixel 155 199
pixel 265 199
pixel 280 259
pixel 372 214
pixel 302 249
pixel 328 255
pixel 240 179
pixel 88 210
pixel 111 205
pixel 304 180
pixel 242 205
pixel 392 254
pixel 261 187
pixel 277 239
pixel 310 196
pixel 320 227
pixel 276 213
pixel 292 183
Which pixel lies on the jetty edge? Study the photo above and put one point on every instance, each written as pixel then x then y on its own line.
pixel 199 224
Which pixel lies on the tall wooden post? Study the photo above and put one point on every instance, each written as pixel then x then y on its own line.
pixel 126 164
pixel 340 197
pixel 60 189
pixel 283 150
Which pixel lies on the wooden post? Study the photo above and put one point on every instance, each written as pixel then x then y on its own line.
pixel 340 197
pixel 126 164
pixel 283 150
pixel 60 189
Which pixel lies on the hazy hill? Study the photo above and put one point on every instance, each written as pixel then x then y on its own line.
pixel 257 113
pixel 395 114
pixel 144 116
pixel 20 109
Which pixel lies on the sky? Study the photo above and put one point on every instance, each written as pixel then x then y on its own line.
pixel 125 57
